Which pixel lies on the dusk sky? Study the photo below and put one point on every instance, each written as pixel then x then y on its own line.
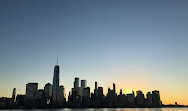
pixel 136 44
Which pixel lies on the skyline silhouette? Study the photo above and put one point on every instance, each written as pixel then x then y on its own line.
pixel 80 96
pixel 139 45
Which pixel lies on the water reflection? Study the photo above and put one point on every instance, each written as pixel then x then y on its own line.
pixel 110 109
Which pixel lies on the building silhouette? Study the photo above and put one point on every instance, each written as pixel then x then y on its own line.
pixel 31 90
pixel 13 95
pixel 61 96
pixel 48 92
pixel 83 83
pixel 130 99
pixel 111 97
pixel 96 91
pixel 80 96
pixel 20 100
pixel 31 95
pixel 55 84
pixel 156 98
pixel 149 99
pixel 140 99
pixel 40 99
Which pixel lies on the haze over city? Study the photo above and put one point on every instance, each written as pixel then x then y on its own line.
pixel 139 45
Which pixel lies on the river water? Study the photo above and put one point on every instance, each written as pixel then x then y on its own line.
pixel 110 109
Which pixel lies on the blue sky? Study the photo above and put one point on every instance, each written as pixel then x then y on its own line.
pixel 136 44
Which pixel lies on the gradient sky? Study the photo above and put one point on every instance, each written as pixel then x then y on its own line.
pixel 137 44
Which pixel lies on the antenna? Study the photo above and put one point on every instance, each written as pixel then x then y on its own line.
pixel 57 60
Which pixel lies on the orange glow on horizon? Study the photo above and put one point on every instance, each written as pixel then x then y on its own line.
pixel 128 91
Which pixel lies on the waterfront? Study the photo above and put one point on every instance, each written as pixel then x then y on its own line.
pixel 108 109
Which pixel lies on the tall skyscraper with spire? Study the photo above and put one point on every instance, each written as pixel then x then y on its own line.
pixel 55 83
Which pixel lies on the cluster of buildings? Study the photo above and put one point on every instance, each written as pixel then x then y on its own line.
pixel 53 96
pixel 83 97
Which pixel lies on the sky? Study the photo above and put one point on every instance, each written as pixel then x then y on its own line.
pixel 138 45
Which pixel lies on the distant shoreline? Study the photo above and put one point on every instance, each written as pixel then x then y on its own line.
pixel 165 106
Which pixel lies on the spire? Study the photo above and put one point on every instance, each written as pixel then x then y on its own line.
pixel 57 60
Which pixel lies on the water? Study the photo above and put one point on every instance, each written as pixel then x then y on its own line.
pixel 110 109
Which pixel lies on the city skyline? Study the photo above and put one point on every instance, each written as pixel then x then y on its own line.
pixel 53 96
pixel 83 83
pixel 139 45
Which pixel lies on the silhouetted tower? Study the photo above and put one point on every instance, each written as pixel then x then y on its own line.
pixel 48 90
pixel 114 88
pixel 133 93
pixel 31 90
pixel 55 83
pixel 156 98
pixel 13 95
pixel 120 92
pixel 140 97
pixel 96 91
pixel 100 92
pixel 149 98
pixel 95 85
pixel 83 83
pixel 108 90
pixel 61 96
pixel 76 83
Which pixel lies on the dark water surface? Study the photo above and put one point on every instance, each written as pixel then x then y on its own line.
pixel 110 109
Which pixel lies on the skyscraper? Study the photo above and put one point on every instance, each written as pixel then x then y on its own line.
pixel 13 94
pixel 48 90
pixel 31 90
pixel 83 83
pixel 75 90
pixel 96 91
pixel 120 93
pixel 156 98
pixel 76 83
pixel 31 95
pixel 114 88
pixel 55 83
pixel 140 98
pixel 100 93
pixel 61 96
pixel 95 85
pixel 149 99
pixel 81 89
